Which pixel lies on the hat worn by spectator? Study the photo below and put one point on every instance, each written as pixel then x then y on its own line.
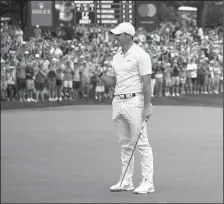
pixel 73 47
pixel 168 64
pixel 54 60
pixel 2 61
pixel 125 27
pixel 81 57
pixel 37 55
pixel 12 51
pixel 26 52
pixel 24 43
pixel 37 26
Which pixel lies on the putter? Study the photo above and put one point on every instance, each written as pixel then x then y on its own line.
pixel 143 125
pixel 132 153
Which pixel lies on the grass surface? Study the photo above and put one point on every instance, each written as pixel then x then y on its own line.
pixel 71 154
pixel 189 100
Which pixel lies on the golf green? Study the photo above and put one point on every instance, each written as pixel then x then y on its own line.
pixel 71 154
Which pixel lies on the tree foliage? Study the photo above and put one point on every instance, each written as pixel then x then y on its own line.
pixel 208 12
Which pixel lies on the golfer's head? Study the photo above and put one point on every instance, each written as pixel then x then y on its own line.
pixel 124 33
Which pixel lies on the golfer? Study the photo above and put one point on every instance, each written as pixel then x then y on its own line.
pixel 131 76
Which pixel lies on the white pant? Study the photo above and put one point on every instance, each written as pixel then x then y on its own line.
pixel 127 115
pixel 68 84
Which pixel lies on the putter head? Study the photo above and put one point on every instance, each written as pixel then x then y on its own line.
pixel 117 189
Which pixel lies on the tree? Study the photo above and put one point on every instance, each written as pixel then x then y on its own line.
pixel 204 9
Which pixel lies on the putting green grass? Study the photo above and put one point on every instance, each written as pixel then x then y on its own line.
pixel 71 154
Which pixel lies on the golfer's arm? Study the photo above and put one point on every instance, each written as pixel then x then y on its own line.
pixel 146 79
pixel 109 80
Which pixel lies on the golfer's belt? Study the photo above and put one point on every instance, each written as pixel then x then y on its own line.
pixel 127 96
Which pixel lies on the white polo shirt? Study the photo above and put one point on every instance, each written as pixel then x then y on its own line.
pixel 192 67
pixel 128 69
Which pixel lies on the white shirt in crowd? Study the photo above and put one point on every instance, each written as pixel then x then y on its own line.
pixel 129 68
pixel 192 67
pixel 57 53
pixel 19 36
pixel 141 37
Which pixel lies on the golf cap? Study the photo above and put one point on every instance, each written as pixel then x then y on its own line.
pixel 37 26
pixel 72 46
pixel 125 27
pixel 54 60
pixel 24 43
pixel 26 52
pixel 37 55
pixel 2 61
pixel 106 62
pixel 81 57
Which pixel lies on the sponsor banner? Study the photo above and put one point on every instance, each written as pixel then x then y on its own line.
pixel 146 13
pixel 41 13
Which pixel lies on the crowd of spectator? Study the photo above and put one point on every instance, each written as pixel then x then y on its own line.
pixel 184 61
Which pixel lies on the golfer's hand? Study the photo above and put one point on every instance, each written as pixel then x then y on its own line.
pixel 147 112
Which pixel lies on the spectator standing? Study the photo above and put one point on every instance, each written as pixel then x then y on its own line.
pixel 217 73
pixel 100 89
pixel 29 78
pixel 35 63
pixel 21 79
pixel 56 52
pixel 68 80
pixel 175 78
pixel 192 76
pixel 3 80
pixel 85 77
pixel 167 79
pixel 159 79
pixel 205 74
pixel 183 79
pixel 37 32
pixel 59 79
pixel 141 36
pixel 19 35
pixel 211 77
pixel 52 79
pixel 12 60
pixel 76 80
pixel 11 82
pixel 40 77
